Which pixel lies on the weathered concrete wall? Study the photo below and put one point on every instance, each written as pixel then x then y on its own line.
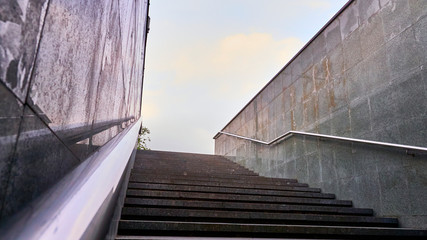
pixel 363 76
pixel 70 79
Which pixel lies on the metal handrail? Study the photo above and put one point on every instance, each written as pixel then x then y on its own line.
pixel 66 210
pixel 356 140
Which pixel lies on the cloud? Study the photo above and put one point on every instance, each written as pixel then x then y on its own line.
pixel 151 108
pixel 234 66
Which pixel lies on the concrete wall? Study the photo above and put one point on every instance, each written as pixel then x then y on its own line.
pixel 363 76
pixel 70 80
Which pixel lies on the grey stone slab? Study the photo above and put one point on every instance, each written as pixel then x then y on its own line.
pixel 41 160
pixel 298 113
pixel 288 120
pixel 367 9
pixel 394 192
pixel 263 119
pixel 372 35
pixel 289 169
pixel 287 77
pixel 396 18
pixel 384 3
pixel 411 133
pixel 308 83
pixel 421 37
pixel 389 160
pixel 301 169
pixel 411 99
pixel 352 50
pixel 324 127
pixel 356 85
pixel 287 100
pixel 390 134
pixel 306 58
pixel 263 100
pixel 379 76
pixel 403 53
pixel 299 90
pixel 11 111
pixel 347 188
pixel 323 102
pixel 418 9
pixel 311 144
pixel 296 69
pixel 332 35
pixel 327 163
pixel 290 150
pixel 21 25
pixel 310 111
pixel 277 86
pixel 343 158
pixel 417 182
pixel 365 160
pixel 368 192
pixel 329 187
pixel 349 20
pixel 250 112
pixel 338 94
pixel 360 118
pixel 318 48
pixel 64 72
pixel 340 123
pixel 299 146
pixel 336 66
pixel 314 170
pixel 411 221
pixel 383 109
pixel 321 73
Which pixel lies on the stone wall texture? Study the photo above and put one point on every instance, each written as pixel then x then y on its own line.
pixel 71 75
pixel 363 76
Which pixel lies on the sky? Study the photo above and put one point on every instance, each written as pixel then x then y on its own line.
pixel 206 59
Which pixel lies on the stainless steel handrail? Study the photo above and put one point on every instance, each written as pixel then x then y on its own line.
pixel 66 211
pixel 356 140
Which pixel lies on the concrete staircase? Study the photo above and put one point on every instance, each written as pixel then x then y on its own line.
pixel 194 195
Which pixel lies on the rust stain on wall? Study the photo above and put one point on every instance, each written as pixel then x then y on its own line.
pixel 331 93
pixel 292 94
pixel 316 107
pixel 292 120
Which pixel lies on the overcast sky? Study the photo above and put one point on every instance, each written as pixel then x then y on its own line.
pixel 207 58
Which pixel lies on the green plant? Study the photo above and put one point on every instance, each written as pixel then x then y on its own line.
pixel 143 139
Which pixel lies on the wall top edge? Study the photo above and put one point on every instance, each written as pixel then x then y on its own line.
pixel 290 61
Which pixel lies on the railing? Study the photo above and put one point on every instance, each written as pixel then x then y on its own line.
pixel 69 209
pixel 355 140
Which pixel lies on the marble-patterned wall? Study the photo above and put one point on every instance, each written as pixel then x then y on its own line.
pixel 363 76
pixel 71 75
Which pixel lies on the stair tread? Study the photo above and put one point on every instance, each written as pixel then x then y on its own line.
pixel 234 197
pixel 207 189
pixel 314 219
pixel 249 229
pixel 197 195
pixel 265 207
pixel 223 184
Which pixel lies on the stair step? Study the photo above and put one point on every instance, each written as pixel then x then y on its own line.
pixel 192 215
pixel 175 228
pixel 234 197
pixel 195 173
pixel 195 196
pixel 137 179
pixel 213 176
pixel 207 189
pixel 189 178
pixel 242 206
